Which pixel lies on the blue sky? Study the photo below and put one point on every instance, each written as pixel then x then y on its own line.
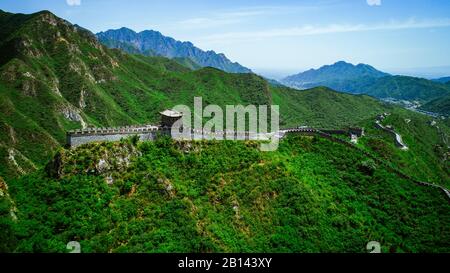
pixel 282 37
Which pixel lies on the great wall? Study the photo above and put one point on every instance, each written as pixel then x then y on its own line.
pixel 397 137
pixel 150 132
pixel 76 138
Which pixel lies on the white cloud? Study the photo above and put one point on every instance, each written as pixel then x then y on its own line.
pixel 204 22
pixel 223 18
pixel 329 29
pixel 374 2
pixel 73 2
pixel 220 19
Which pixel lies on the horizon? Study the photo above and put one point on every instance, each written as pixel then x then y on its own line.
pixel 276 40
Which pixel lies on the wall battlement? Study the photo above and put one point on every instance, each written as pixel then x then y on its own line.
pixel 76 138
pixel 115 130
pixel 149 132
pixel 397 137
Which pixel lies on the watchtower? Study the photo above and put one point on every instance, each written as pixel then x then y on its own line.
pixel 169 117
pixel 359 132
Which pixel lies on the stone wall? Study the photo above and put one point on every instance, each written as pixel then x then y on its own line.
pixel 335 132
pixel 397 137
pixel 149 133
pixel 79 137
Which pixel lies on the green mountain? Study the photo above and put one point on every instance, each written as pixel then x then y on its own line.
pixel 404 88
pixel 427 158
pixel 187 62
pixel 56 76
pixel 333 75
pixel 439 105
pixel 364 79
pixel 153 43
pixel 442 80
pixel 311 195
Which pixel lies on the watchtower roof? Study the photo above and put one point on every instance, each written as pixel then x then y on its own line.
pixel 171 113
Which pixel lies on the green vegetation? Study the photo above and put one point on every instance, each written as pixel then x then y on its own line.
pixel 324 108
pixel 427 158
pixel 55 77
pixel 406 88
pixel 188 62
pixel 440 105
pixel 364 79
pixel 312 195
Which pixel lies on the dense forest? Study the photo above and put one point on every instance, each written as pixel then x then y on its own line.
pixel 312 195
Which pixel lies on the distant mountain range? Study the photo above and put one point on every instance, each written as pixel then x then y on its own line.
pixel 56 76
pixel 153 43
pixel 443 80
pixel 337 74
pixel 365 79
pixel 341 76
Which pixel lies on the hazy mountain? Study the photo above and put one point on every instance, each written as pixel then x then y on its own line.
pixel 153 43
pixel 442 80
pixel 401 87
pixel 332 75
pixel 364 79
pixel 55 76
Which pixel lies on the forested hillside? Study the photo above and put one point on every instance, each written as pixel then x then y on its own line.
pixel 364 79
pixel 311 195
pixel 56 76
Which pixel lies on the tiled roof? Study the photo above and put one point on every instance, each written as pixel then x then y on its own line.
pixel 171 113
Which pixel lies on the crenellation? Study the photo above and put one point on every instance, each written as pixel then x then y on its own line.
pixel 151 132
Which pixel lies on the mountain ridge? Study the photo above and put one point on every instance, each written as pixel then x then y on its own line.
pixel 339 70
pixel 56 76
pixel 154 43
pixel 442 80
pixel 365 79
